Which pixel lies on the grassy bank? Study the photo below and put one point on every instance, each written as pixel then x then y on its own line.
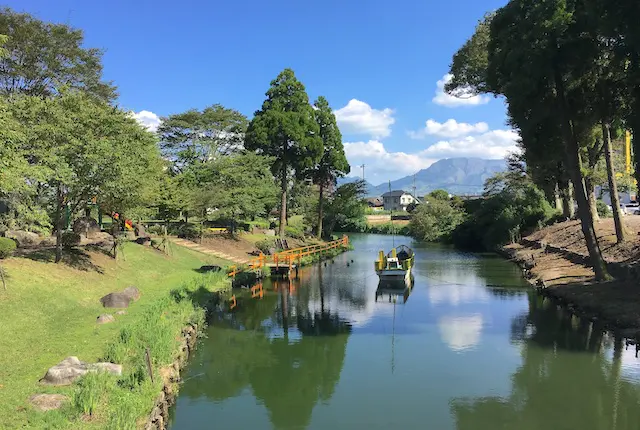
pixel 49 312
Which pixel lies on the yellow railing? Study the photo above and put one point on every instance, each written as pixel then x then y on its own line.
pixel 289 257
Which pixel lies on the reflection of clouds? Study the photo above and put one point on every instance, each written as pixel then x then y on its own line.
pixel 456 294
pixel 357 316
pixel 461 333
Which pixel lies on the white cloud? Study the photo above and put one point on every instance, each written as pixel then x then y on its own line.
pixel 382 165
pixel 465 96
pixel 358 117
pixel 461 333
pixel 449 128
pixel 491 145
pixel 148 120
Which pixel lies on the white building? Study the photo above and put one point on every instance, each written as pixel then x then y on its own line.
pixel 397 200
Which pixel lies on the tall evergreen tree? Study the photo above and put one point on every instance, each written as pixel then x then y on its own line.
pixel 333 163
pixel 285 129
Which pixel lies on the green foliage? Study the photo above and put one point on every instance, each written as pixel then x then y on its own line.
pixel 70 239
pixel 389 228
pixel 7 247
pixel 294 231
pixel 439 195
pixel 265 245
pixel 90 389
pixel 513 209
pixel 196 137
pixel 42 58
pixel 285 130
pixel 603 209
pixel 345 209
pixel 434 220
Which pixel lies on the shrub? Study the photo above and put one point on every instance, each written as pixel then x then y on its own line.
pixel 265 245
pixel 602 208
pixel 7 247
pixel 156 229
pixel 435 220
pixel 189 231
pixel 70 239
pixel 294 231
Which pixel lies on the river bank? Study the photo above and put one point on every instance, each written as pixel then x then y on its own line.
pixel 49 312
pixel 555 261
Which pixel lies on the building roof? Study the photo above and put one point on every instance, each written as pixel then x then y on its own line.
pixel 395 193
pixel 375 201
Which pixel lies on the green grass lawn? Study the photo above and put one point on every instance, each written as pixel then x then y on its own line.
pixel 49 312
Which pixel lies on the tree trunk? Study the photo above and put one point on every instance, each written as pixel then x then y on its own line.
pixel 567 200
pixel 591 194
pixel 558 198
pixel 283 203
pixel 613 186
pixel 572 152
pixel 60 203
pixel 320 207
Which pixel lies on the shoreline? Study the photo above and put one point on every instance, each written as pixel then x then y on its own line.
pixel 612 304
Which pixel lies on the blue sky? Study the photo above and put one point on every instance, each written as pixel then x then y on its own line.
pixel 377 62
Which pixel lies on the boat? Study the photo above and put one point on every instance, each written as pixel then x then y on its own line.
pixel 396 265
pixel 395 289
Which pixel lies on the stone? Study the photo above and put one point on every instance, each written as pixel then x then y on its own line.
pixel 205 269
pixel 24 239
pixel 105 318
pixel 270 232
pixel 116 300
pixel 121 313
pixel 86 226
pixel 48 402
pixel 139 230
pixel 71 368
pixel 132 292
pixel 146 241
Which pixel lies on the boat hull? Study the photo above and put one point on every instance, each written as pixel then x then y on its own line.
pixel 394 275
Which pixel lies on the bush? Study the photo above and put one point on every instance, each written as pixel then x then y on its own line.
pixel 602 208
pixel 70 239
pixel 7 247
pixel 435 220
pixel 156 229
pixel 294 231
pixel 265 245
pixel 188 231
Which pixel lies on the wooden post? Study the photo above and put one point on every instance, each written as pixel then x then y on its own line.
pixel 149 368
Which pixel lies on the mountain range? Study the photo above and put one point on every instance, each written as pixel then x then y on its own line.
pixel 461 176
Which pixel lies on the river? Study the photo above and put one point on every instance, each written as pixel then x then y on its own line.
pixel 469 348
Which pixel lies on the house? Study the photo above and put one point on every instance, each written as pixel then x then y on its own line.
pixel 625 197
pixel 397 200
pixel 375 203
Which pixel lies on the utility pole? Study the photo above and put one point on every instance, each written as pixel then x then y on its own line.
pixel 362 171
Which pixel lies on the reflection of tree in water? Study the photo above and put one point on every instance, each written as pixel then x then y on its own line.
pixel 564 381
pixel 289 373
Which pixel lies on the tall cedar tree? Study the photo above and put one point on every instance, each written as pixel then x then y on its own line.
pixel 333 163
pixel 43 58
pixel 285 129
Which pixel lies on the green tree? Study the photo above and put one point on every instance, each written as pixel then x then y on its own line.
pixel 43 58
pixel 440 195
pixel 333 163
pixel 346 208
pixel 89 149
pixel 435 220
pixel 238 185
pixel 195 137
pixel 285 129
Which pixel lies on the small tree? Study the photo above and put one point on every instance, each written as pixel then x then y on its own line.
pixel 285 129
pixel 346 208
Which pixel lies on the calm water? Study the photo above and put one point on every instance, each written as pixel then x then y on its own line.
pixel 470 348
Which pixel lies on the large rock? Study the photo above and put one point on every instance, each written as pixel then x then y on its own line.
pixel 87 227
pixel 24 239
pixel 48 402
pixel 105 318
pixel 206 269
pixel 116 300
pixel 71 368
pixel 132 292
pixel 139 230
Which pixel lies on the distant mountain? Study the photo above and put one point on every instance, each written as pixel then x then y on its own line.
pixel 369 187
pixel 456 175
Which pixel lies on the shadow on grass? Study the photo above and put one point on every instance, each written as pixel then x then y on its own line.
pixel 75 258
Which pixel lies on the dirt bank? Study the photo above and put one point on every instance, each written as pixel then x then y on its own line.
pixel 554 260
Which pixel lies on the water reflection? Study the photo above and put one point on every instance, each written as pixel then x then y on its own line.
pixel 466 346
pixel 564 381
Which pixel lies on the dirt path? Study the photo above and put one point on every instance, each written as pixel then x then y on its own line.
pixel 209 251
